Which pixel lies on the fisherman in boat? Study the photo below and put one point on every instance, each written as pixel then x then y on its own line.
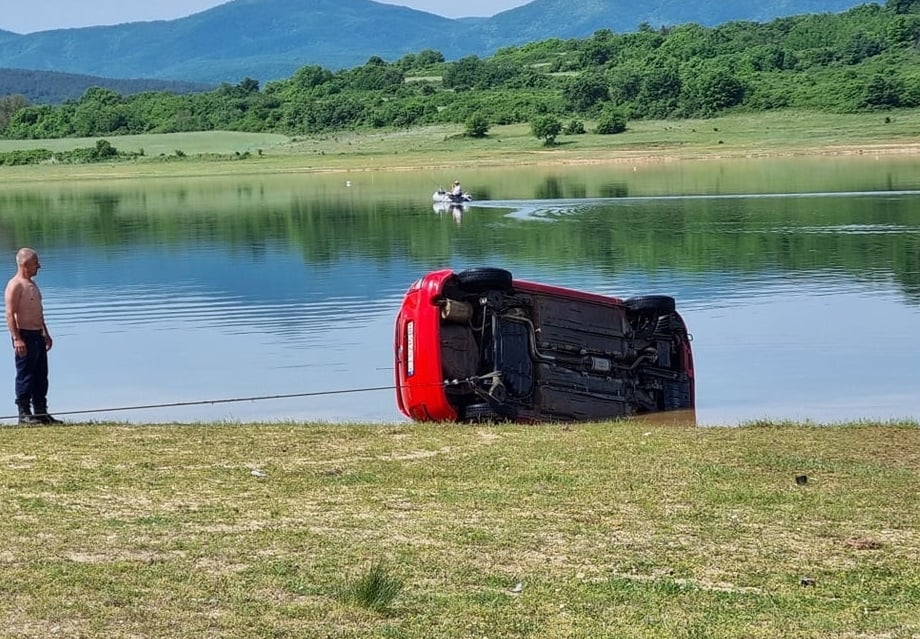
pixel 457 191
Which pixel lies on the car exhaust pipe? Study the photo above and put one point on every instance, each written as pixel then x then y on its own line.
pixel 456 311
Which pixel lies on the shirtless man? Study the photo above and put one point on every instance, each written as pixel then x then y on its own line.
pixel 25 317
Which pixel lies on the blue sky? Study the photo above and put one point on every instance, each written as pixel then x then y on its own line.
pixel 26 16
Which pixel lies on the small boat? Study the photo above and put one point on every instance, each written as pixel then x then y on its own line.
pixel 449 198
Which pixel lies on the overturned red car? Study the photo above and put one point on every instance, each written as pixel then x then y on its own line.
pixel 478 345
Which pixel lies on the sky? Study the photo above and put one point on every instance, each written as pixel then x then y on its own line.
pixel 27 16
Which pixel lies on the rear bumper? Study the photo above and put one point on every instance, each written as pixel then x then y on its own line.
pixel 419 382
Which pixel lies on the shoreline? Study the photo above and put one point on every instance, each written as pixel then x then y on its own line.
pixel 439 148
pixel 638 158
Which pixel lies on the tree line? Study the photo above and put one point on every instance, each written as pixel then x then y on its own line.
pixel 863 59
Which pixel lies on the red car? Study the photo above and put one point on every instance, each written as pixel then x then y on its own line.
pixel 478 345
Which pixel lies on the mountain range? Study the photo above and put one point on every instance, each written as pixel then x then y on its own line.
pixel 270 39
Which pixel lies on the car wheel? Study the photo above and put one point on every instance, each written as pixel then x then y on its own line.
pixel 477 280
pixel 480 413
pixel 663 304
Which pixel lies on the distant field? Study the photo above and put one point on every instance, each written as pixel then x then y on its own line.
pixel 221 142
pixel 747 134
pixel 779 133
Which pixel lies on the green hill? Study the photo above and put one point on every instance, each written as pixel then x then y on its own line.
pixel 51 87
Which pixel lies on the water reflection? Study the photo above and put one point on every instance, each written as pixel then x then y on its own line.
pixel 802 297
pixel 455 211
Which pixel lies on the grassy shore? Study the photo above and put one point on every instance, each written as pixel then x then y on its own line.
pixel 781 133
pixel 419 531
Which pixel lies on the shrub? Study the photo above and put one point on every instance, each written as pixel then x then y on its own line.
pixel 477 126
pixel 546 127
pixel 575 127
pixel 612 121
pixel 25 156
pixel 104 150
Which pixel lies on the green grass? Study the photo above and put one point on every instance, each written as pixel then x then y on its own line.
pixel 741 135
pixel 592 530
pixel 375 590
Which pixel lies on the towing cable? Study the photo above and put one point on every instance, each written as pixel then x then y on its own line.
pixel 206 402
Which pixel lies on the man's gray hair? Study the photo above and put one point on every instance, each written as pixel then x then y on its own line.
pixel 23 255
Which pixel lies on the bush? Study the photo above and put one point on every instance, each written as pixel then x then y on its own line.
pixel 477 126
pixel 575 127
pixel 25 156
pixel 546 127
pixel 104 150
pixel 611 122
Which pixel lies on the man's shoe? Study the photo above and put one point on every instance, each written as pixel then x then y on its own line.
pixel 46 418
pixel 28 419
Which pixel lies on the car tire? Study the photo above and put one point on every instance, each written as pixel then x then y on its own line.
pixel 478 280
pixel 480 413
pixel 663 304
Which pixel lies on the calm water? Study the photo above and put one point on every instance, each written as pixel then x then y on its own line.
pixel 173 299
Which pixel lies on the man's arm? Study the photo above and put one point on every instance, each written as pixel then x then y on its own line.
pixel 11 300
pixel 47 335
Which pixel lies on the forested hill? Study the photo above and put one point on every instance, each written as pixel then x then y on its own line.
pixel 271 39
pixel 51 87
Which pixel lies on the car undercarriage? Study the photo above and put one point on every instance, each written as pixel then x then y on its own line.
pixel 536 353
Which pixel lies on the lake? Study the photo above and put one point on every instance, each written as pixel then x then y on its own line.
pixel 272 298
